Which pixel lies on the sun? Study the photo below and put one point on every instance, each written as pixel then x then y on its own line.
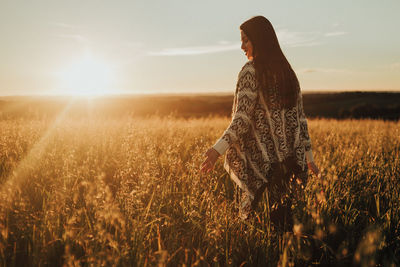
pixel 86 77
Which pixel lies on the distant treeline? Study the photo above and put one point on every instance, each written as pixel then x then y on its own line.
pixel 376 105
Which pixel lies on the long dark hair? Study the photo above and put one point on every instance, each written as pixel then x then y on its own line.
pixel 279 83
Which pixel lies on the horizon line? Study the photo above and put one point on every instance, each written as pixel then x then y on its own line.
pixel 127 94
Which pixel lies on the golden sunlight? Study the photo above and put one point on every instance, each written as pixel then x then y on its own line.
pixel 86 77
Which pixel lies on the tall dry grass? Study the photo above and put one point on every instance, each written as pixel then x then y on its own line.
pixel 127 192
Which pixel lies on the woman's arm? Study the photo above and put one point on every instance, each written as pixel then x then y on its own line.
pixel 246 94
pixel 305 137
pixel 246 100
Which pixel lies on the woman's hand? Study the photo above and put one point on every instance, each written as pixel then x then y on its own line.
pixel 208 164
pixel 313 168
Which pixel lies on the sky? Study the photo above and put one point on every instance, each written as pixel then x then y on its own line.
pixel 187 46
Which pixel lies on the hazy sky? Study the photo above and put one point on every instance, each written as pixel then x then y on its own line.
pixel 166 46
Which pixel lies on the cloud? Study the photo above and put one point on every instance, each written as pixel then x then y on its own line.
pixel 222 46
pixel 68 31
pixel 64 25
pixel 286 38
pixel 394 65
pixel 389 66
pixel 297 39
pixel 133 44
pixel 324 70
pixel 77 37
pixel 329 34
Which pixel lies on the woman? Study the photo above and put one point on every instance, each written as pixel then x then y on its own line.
pixel 267 143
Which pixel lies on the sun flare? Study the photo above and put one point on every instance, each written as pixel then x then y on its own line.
pixel 86 77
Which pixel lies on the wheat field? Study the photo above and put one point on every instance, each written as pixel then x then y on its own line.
pixel 127 192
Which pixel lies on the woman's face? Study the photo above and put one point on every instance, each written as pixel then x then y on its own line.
pixel 247 47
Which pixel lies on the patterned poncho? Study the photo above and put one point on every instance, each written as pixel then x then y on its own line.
pixel 259 135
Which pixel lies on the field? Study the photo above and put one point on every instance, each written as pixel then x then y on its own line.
pixel 126 191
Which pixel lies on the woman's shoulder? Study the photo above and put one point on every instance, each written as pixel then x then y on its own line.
pixel 249 65
pixel 248 68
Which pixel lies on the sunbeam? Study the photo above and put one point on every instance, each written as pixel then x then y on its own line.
pixel 21 171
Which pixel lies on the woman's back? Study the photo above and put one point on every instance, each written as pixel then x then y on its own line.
pixel 279 132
